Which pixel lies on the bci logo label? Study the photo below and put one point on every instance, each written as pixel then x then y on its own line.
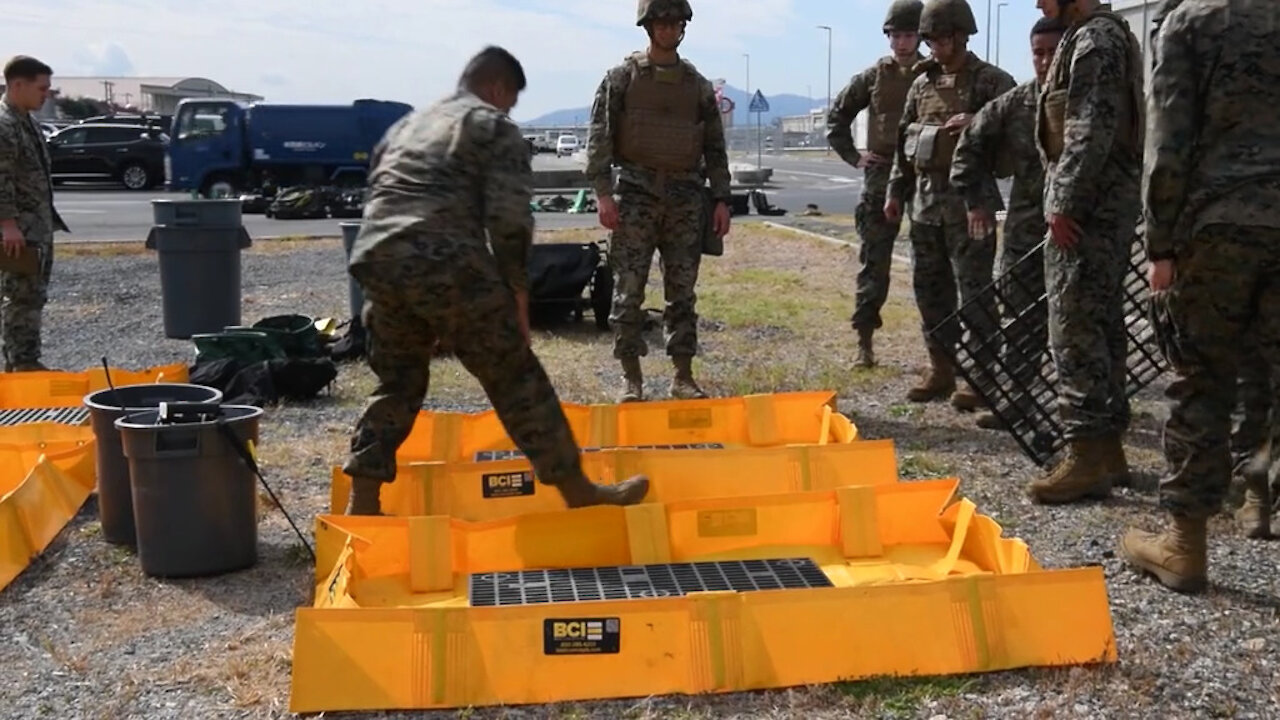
pixel 508 484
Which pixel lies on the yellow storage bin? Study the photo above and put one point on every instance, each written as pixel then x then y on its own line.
pixel 711 595
pixel 46 474
pixel 55 389
pixel 751 421
pixel 505 488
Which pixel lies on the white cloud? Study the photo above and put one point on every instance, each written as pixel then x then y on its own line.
pixel 390 49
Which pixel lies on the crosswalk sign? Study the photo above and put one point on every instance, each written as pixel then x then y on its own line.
pixel 758 103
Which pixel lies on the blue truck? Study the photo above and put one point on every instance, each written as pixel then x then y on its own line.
pixel 221 148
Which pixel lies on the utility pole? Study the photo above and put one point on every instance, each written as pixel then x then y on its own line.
pixel 988 55
pixel 828 29
pixel 998 9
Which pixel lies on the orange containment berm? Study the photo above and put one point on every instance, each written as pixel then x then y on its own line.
pixel 56 389
pixel 749 566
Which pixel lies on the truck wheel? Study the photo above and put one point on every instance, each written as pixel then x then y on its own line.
pixel 220 187
pixel 135 176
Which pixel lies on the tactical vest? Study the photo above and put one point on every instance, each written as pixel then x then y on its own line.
pixel 1051 114
pixel 661 129
pixel 888 97
pixel 945 94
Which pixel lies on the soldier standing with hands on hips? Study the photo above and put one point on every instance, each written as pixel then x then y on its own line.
pixel 881 89
pixel 441 179
pixel 655 117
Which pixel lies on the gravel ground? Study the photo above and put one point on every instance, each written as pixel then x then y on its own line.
pixel 85 634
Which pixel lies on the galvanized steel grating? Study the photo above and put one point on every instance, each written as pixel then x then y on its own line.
pixel 26 416
pixel 496 455
pixel 633 582
pixel 1012 369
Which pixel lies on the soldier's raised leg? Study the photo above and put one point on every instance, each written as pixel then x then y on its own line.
pixel 876 238
pixel 680 253
pixel 631 248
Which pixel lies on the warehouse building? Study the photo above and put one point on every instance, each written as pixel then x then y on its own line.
pixel 159 95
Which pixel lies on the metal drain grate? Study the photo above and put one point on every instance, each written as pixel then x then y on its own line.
pixel 633 582
pixel 25 416
pixel 496 455
pixel 1011 367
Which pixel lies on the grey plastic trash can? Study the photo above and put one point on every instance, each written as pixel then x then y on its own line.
pixel 194 498
pixel 115 501
pixel 199 244
pixel 355 294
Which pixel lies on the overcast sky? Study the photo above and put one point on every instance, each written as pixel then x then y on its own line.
pixel 412 50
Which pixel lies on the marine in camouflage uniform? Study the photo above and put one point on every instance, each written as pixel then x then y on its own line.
pixel 439 179
pixel 952 86
pixel 1211 208
pixel 1089 131
pixel 655 117
pixel 882 90
pixel 1002 140
pixel 27 216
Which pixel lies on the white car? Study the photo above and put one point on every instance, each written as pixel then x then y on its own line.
pixel 566 145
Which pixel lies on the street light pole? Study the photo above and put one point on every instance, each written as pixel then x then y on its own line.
pixel 748 88
pixel 998 9
pixel 828 29
pixel 988 55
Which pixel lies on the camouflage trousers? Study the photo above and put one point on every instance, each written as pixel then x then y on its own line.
pixel 1024 314
pixel 22 309
pixel 950 269
pixel 453 302
pixel 1085 286
pixel 876 237
pixel 671 224
pixel 1227 287
pixel 1251 422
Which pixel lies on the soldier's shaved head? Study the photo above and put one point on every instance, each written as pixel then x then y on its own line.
pixel 493 65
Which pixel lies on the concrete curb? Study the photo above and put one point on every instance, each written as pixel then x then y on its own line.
pixel 829 238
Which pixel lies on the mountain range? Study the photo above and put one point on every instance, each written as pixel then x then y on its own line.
pixel 779 106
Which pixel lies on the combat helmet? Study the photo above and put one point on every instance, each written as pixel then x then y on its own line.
pixel 941 18
pixel 647 10
pixel 903 16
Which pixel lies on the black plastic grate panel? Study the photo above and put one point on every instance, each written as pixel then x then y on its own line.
pixel 496 455
pixel 1012 368
pixel 25 416
pixel 636 582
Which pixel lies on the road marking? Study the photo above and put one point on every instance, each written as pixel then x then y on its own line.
pixel 830 238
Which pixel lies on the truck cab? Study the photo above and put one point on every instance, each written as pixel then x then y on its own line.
pixel 206 148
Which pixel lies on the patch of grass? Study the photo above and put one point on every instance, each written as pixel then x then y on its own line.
pixel 903 697
pixel 922 465
pixel 98 249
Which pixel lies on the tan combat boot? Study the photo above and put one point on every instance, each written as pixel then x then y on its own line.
pixel 633 379
pixel 1117 463
pixel 1176 556
pixel 939 383
pixel 989 421
pixel 1085 473
pixel 366 497
pixel 581 492
pixel 1254 516
pixel 683 386
pixel 866 354
pixel 966 399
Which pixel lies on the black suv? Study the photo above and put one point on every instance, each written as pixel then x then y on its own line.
pixel 132 154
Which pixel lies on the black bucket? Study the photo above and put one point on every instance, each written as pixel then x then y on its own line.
pixel 194 497
pixel 115 503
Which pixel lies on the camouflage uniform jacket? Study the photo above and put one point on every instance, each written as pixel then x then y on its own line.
pixel 447 174
pixel 26 190
pixel 933 200
pixel 1005 127
pixel 853 99
pixel 1093 68
pixel 606 113
pixel 1212 149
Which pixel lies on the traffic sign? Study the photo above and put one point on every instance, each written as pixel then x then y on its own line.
pixel 758 103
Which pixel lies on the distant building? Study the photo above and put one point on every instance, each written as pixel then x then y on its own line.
pixel 1140 15
pixel 158 95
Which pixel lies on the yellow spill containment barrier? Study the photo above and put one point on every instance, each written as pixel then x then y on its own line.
pixel 490 490
pixel 46 474
pixel 751 421
pixel 56 389
pixel 697 596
